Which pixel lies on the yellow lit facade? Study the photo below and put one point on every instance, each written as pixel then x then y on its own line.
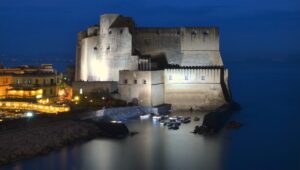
pixel 34 106
pixel 29 82
pixel 30 88
pixel 35 93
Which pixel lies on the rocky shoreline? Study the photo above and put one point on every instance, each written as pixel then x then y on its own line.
pixel 28 142
pixel 216 120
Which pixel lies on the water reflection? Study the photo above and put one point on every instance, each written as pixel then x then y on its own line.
pixel 154 147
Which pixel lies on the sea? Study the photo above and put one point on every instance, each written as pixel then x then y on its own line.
pixel 269 95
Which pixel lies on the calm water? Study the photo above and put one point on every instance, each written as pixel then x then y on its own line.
pixel 270 98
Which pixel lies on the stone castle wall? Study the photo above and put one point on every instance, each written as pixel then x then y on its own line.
pixel 145 86
pixel 115 45
pixel 113 48
pixel 193 88
pixel 104 52
pixel 192 46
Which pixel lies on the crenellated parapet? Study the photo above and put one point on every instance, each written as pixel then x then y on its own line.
pixel 194 75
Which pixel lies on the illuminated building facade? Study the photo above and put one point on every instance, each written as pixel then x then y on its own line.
pixel 181 66
pixel 26 82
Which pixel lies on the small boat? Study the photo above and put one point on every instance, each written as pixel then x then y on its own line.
pixel 173 118
pixel 156 118
pixel 115 121
pixel 186 121
pixel 196 119
pixel 174 127
pixel 146 116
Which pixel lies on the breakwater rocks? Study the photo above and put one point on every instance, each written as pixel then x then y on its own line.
pixel 31 141
pixel 214 121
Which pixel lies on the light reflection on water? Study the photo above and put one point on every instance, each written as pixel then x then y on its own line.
pixel 269 95
pixel 154 147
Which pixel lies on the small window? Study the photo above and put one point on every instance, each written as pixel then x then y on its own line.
pixel 80 91
pixel 194 32
pixel 170 77
pixel 205 32
pixel 108 47
pixel 44 81
pixel 109 32
pixel 135 81
pixel 202 77
pixel 186 77
pixel 51 81
pixel 36 81
pixel 125 81
pixel 145 82
pixel 51 91
pixel 121 31
pixel 18 81
pixel 29 81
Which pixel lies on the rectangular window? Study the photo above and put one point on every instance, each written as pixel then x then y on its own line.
pixel 145 82
pixel 36 81
pixel 170 77
pixel 202 77
pixel 80 91
pixel 186 77
pixel 125 81
pixel 44 81
pixel 51 91
pixel 135 81
pixel 51 81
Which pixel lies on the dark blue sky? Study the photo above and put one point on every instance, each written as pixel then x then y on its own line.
pixel 34 30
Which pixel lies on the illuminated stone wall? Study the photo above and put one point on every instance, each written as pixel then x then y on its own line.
pixel 144 86
pixel 105 51
pixel 93 86
pixel 113 48
pixel 191 46
pixel 116 44
pixel 196 88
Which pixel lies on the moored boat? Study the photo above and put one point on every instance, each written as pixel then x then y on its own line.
pixel 145 116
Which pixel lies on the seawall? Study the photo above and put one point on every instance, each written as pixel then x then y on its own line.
pixel 30 141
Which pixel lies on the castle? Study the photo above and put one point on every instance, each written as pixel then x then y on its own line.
pixel 178 66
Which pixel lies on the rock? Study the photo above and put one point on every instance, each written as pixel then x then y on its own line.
pixel 196 119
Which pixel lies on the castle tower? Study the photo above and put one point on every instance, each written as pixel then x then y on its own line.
pixel 106 50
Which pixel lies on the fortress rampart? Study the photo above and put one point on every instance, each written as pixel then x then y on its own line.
pixel 189 59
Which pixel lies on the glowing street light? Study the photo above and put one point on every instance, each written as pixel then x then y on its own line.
pixel 29 114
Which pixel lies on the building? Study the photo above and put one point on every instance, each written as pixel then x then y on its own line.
pixel 179 66
pixel 28 82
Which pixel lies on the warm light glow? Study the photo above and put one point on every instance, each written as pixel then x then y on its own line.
pixel 76 98
pixel 28 114
pixel 61 92
pixel 36 107
pixel 39 96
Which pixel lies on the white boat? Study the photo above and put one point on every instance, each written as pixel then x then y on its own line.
pixel 146 116
pixel 156 118
pixel 115 121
